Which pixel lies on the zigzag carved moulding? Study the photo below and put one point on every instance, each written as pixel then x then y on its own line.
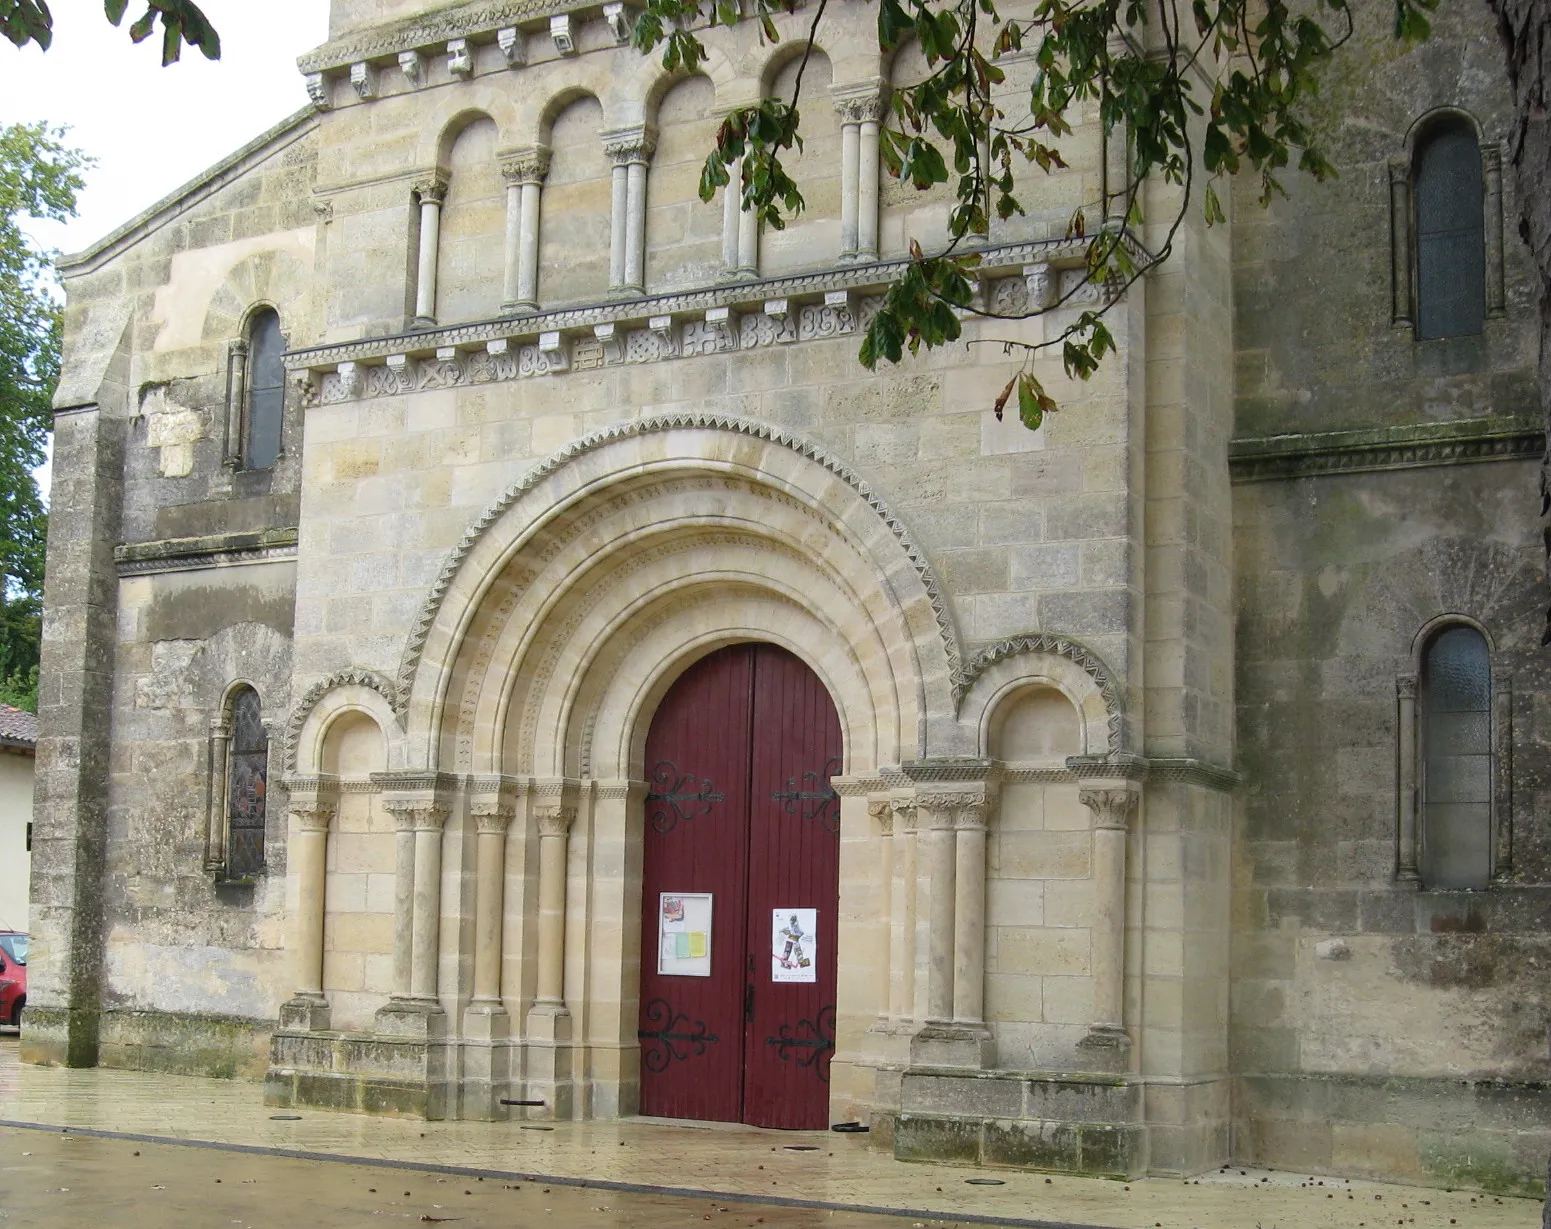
pixel 308 702
pixel 678 422
pixel 1062 646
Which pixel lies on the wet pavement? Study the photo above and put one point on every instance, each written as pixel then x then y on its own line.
pixel 314 1167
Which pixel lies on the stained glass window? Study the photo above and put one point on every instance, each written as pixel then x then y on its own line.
pixel 247 781
pixel 1450 231
pixel 1457 761
pixel 266 392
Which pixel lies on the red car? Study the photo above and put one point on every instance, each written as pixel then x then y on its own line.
pixel 13 976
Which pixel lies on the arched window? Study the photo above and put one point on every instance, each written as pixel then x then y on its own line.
pixel 247 780
pixel 262 415
pixel 1457 764
pixel 1450 230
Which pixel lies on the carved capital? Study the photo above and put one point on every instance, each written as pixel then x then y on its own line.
pixel 417 814
pixel 971 818
pixel 1111 805
pixel 492 817
pixel 431 190
pixel 860 102
pixel 624 146
pixel 313 818
pixel 904 813
pixel 553 818
pixel 882 811
pixel 1405 686
pixel 529 165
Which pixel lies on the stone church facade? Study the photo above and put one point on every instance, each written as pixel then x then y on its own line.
pixel 1191 776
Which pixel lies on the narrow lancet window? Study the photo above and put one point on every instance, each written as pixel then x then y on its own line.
pixel 1457 760
pixel 266 392
pixel 1450 231
pixel 246 786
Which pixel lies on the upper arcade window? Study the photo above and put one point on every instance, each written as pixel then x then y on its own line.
pixel 263 414
pixel 1450 230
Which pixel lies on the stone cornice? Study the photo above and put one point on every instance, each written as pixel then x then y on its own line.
pixel 580 322
pixel 425 30
pixel 1410 446
pixel 215 551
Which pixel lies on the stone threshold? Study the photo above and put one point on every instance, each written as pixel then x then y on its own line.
pixel 1409 446
pixel 222 550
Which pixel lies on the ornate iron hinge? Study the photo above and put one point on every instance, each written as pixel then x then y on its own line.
pixel 671 790
pixel 817 802
pixel 660 1012
pixel 812 1050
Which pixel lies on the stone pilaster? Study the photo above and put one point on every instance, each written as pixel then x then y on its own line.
pixel 311 818
pixel 629 151
pixel 1112 803
pixel 548 1026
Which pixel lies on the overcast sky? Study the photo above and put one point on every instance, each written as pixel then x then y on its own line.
pixel 151 128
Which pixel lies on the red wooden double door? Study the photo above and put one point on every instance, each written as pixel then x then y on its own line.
pixel 741 888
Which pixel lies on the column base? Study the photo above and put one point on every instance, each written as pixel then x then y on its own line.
pixel 419 1018
pixel 422 322
pixel 486 1020
pixel 305 1013
pixel 952 1045
pixel 1108 1046
pixel 549 1022
pixel 522 307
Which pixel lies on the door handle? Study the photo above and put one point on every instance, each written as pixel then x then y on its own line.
pixel 748 1003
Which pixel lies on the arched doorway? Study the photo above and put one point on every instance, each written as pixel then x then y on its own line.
pixel 740 881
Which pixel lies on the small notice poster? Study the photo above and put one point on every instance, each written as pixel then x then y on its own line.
pixel 795 947
pixel 684 934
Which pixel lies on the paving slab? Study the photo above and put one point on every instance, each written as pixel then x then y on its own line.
pixel 796 1170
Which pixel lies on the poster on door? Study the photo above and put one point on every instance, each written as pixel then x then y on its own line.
pixel 684 934
pixel 794 952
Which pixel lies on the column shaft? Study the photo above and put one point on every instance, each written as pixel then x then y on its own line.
pixel 969 920
pixel 635 226
pixel 867 191
pixel 902 917
pixel 1109 921
pixel 403 904
pixel 617 226
pixel 528 246
pixel 732 213
pixel 850 147
pixel 554 846
pixel 1405 702
pixel 748 242
pixel 511 277
pixel 940 870
pixel 1400 242
pixel 490 874
pixel 431 196
pixel 309 849
pixel 428 903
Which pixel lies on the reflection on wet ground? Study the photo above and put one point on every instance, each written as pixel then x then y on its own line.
pixel 621 1162
pixel 49 1179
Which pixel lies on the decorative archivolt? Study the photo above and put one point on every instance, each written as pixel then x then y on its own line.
pixel 342 678
pixel 1064 647
pixel 671 422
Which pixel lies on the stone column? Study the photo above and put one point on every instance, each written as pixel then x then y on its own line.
pixel 403 894
pixel 732 214
pixel 425 936
pixel 308 853
pixel 860 108
pixel 1492 176
pixel 236 400
pixel 969 915
pixel 554 823
pixel 430 193
pixel 951 798
pixel 902 913
pixel 941 908
pixel 491 820
pixel 524 172
pixel 1405 724
pixel 1400 241
pixel 215 831
pixel 1112 804
pixel 748 243
pixel 880 811
pixel 630 150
